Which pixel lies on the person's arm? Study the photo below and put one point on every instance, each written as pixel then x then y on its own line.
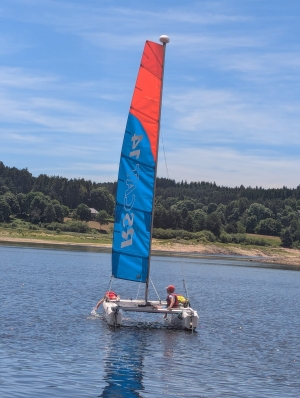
pixel 99 303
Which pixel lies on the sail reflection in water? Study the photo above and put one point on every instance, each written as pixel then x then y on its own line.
pixel 129 370
pixel 124 364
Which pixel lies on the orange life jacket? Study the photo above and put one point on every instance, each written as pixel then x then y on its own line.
pixel 111 295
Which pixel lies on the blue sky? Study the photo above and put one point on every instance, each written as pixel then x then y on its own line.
pixel 231 92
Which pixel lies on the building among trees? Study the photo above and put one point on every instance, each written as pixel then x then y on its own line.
pixel 94 213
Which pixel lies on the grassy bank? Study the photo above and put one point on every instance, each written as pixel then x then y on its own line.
pixel 19 229
pixel 270 252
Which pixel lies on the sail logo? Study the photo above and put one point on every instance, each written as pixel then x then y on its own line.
pixel 129 197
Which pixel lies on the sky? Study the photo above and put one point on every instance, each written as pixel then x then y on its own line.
pixel 231 100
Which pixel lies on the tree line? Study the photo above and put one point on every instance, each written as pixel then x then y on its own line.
pixel 193 207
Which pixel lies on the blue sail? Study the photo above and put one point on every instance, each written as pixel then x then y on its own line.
pixel 137 171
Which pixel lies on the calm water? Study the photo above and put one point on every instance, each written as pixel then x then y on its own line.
pixel 247 344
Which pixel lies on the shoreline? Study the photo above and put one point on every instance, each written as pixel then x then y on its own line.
pixel 268 257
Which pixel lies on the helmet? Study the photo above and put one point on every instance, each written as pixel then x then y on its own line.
pixel 171 288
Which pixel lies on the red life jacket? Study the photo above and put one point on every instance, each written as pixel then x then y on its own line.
pixel 169 300
pixel 111 295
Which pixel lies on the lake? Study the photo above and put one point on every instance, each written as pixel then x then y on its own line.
pixel 247 343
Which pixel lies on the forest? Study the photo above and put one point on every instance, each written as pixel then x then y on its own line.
pixel 182 209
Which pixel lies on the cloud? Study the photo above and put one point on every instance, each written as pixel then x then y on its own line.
pixel 226 116
pixel 90 171
pixel 20 138
pixel 14 77
pixel 281 63
pixel 93 22
pixel 20 104
pixel 229 168
pixel 78 120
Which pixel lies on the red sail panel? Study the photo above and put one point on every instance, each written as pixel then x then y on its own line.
pixel 145 104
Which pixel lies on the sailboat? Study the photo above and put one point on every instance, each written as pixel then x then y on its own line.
pixel 132 236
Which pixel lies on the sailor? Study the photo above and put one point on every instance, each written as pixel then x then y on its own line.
pixel 109 296
pixel 172 300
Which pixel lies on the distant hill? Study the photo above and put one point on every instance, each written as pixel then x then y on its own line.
pixel 192 207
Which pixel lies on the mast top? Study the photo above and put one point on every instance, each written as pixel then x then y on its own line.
pixel 164 39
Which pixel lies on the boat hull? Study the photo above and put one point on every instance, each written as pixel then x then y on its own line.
pixel 112 313
pixel 187 319
pixel 179 318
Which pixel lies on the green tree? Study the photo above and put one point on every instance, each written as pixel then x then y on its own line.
pixel 35 216
pixel 170 202
pixel 213 223
pixel 160 217
pixel 261 212
pixel 174 218
pixel 296 235
pixel 234 215
pixel 240 228
pixel 60 211
pixel 3 187
pixel 199 220
pixel 286 238
pixel 268 226
pixel 12 201
pixel 5 210
pixel 184 212
pixel 251 223
pixel 83 212
pixel 49 214
pixel 243 205
pixel 221 210
pixel 291 202
pixel 101 199
pixel 186 203
pixel 211 208
pixel 231 228
pixel 284 220
pixel 102 218
pixel 188 223
pixel 35 205
pixel 22 202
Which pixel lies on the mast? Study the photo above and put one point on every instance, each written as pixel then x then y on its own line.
pixel 164 40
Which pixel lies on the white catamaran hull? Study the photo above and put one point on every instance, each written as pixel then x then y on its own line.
pixel 112 313
pixel 187 319
pixel 181 318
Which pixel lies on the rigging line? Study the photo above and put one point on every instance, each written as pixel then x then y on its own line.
pixel 154 289
pixel 184 282
pixel 137 295
pixel 110 283
pixel 163 145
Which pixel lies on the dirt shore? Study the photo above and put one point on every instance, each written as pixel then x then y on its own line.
pixel 290 257
pixel 266 255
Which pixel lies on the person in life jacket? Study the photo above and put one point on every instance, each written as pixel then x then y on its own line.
pixel 172 300
pixel 109 296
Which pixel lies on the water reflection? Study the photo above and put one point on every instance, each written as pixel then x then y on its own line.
pixel 124 359
pixel 138 354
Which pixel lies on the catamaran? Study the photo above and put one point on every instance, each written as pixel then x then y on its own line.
pixel 132 236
